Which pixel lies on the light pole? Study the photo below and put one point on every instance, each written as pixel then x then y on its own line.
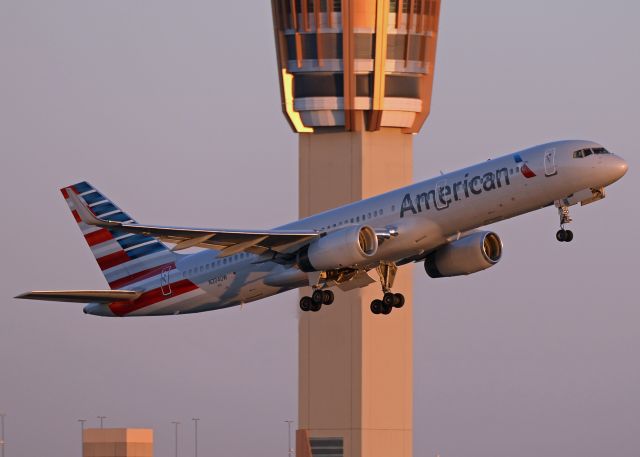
pixel 195 421
pixel 2 441
pixel 102 418
pixel 176 423
pixel 82 421
pixel 290 449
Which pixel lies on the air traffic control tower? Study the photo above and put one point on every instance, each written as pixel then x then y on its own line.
pixel 355 80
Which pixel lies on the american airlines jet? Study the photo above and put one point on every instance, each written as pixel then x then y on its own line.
pixel 436 222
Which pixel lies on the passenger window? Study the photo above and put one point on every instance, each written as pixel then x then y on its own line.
pixel 393 207
pixel 375 213
pixel 352 220
pixel 369 215
pixel 380 212
pixel 207 266
pixel 358 219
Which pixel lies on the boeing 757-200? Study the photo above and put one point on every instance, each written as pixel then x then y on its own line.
pixel 435 222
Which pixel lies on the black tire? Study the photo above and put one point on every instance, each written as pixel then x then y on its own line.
pixel 305 303
pixel 376 306
pixel 315 307
pixel 386 309
pixel 568 236
pixel 399 300
pixel 561 235
pixel 318 296
pixel 327 297
pixel 389 299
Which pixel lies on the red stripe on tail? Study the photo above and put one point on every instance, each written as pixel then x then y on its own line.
pixel 97 237
pixel 111 260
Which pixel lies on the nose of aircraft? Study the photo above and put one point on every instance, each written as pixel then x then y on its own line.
pixel 618 167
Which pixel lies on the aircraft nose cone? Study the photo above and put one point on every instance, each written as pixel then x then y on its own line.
pixel 620 167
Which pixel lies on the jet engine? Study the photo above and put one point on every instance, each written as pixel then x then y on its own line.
pixel 470 254
pixel 339 249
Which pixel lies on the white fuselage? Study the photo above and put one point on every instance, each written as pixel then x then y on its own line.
pixel 425 215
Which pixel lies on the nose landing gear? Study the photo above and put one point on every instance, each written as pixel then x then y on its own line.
pixel 565 218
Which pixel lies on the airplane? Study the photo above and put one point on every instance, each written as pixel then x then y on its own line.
pixel 436 222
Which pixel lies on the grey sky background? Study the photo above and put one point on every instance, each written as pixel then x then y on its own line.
pixel 172 110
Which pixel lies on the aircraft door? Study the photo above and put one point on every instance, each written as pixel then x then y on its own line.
pixel 165 281
pixel 550 168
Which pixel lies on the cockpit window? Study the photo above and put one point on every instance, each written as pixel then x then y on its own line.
pixel 588 151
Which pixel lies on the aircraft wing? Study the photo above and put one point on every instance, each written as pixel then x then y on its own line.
pixel 82 296
pixel 229 242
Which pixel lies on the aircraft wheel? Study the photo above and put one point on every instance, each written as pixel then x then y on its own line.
pixel 568 236
pixel 386 309
pixel 315 307
pixel 317 296
pixel 327 297
pixel 399 300
pixel 305 303
pixel 389 299
pixel 376 306
pixel 561 235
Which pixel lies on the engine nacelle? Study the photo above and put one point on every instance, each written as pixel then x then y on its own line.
pixel 339 249
pixel 467 255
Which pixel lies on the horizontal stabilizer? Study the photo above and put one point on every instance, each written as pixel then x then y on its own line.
pixel 82 296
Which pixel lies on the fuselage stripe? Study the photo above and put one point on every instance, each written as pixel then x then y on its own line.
pixel 152 296
pixel 144 274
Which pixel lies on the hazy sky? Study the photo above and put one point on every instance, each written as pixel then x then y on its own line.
pixel 172 109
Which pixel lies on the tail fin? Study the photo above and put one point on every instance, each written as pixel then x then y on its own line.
pixel 123 258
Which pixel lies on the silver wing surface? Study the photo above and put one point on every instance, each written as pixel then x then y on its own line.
pixel 229 242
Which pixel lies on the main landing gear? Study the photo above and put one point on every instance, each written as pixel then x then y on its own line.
pixel 387 273
pixel 318 298
pixel 565 218
pixel 388 302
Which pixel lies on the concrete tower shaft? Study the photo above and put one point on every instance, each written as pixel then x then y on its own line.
pixel 355 80
pixel 337 58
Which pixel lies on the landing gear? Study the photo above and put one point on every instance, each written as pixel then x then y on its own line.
pixel 387 273
pixel 318 298
pixel 564 235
